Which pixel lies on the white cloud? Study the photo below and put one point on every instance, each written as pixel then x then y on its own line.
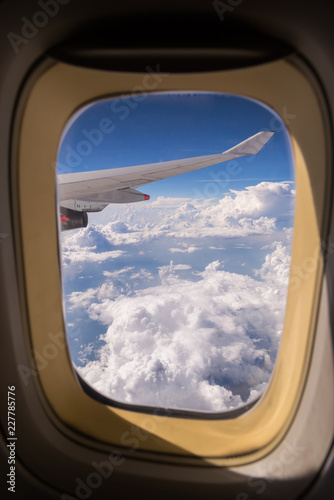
pixel 87 245
pixel 167 273
pixel 164 202
pixel 251 211
pixel 115 274
pixel 83 255
pixel 81 299
pixel 276 268
pixel 190 249
pixel 142 274
pixel 202 344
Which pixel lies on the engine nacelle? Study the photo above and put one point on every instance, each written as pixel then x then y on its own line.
pixel 72 219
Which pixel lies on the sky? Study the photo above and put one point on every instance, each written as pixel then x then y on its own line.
pixel 179 301
pixel 171 126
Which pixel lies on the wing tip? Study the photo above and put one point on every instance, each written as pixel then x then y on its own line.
pixel 253 144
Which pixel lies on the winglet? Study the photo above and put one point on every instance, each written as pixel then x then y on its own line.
pixel 252 145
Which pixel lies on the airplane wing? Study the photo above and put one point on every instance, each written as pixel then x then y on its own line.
pixel 117 185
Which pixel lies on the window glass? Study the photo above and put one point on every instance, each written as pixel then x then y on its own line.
pixel 175 289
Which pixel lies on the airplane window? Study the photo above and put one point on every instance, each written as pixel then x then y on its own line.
pixel 176 219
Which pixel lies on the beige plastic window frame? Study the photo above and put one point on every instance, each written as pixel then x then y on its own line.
pixel 55 96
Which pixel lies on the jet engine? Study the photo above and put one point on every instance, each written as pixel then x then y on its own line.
pixel 72 219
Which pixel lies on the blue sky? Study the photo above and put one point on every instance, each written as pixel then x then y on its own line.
pixel 166 126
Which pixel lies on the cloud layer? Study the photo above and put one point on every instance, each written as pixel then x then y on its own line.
pixel 188 297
